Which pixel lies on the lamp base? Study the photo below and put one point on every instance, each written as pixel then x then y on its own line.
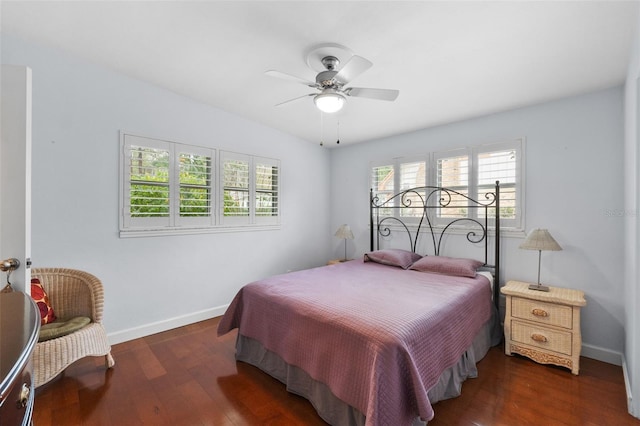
pixel 538 287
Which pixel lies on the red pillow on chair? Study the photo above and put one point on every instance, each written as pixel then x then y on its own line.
pixel 42 300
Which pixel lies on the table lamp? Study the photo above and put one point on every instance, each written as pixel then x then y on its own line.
pixel 345 233
pixel 541 240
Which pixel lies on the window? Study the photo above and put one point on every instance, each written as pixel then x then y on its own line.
pixel 266 189
pixel 250 193
pixel 168 187
pixel 148 183
pixel 474 172
pixel 470 172
pixel 165 184
pixel 383 184
pixel 502 164
pixel 453 173
pixel 195 186
pixel 402 173
pixel 235 174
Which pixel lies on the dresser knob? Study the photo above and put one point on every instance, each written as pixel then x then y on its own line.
pixel 24 396
pixel 539 312
pixel 539 338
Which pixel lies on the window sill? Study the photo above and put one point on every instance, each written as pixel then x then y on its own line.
pixel 137 233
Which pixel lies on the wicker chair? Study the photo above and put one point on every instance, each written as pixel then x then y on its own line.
pixel 72 293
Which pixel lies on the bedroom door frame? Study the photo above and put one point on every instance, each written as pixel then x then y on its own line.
pixel 15 173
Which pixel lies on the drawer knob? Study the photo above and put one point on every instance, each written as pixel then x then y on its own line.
pixel 539 312
pixel 539 338
pixel 24 396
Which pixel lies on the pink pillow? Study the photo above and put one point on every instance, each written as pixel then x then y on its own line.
pixel 392 257
pixel 448 266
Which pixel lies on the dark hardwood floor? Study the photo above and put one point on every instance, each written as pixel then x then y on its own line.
pixel 188 376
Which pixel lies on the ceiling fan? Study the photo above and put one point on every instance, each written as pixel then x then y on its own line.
pixel 332 79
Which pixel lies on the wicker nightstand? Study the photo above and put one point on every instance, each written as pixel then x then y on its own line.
pixel 544 326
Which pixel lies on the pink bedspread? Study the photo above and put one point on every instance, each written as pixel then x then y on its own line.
pixel 377 336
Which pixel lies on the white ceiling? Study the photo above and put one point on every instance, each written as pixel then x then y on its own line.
pixel 449 60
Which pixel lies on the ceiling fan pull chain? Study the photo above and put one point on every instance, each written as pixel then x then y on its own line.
pixel 321 128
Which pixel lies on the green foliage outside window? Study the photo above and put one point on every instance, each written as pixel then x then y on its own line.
pixel 149 200
pixel 236 188
pixel 195 193
pixel 150 183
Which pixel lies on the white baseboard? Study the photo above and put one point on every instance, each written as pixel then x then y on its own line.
pixel 601 354
pixel 627 386
pixel 164 325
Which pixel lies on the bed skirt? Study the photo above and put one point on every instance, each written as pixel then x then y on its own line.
pixel 335 411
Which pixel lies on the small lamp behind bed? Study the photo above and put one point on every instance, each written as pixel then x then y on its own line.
pixel 345 233
pixel 540 239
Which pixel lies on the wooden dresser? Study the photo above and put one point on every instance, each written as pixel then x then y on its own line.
pixel 19 327
pixel 544 326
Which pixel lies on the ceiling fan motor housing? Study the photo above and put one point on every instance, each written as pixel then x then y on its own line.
pixel 325 79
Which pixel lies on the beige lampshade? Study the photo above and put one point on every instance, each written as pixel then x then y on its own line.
pixel 344 232
pixel 540 239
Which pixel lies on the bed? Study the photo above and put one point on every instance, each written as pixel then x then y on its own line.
pixel 378 340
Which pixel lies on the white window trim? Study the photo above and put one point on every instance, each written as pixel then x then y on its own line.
pixel 176 225
pixel 508 227
pixel 517 145
pixel 252 219
pixel 397 176
pixel 126 221
pixel 201 221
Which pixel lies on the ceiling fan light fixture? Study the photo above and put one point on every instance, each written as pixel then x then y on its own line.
pixel 329 101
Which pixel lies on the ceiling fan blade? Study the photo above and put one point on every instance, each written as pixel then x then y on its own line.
pixel 380 94
pixel 353 68
pixel 295 99
pixel 285 76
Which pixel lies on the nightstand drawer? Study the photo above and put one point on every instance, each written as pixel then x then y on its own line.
pixel 540 337
pixel 544 313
